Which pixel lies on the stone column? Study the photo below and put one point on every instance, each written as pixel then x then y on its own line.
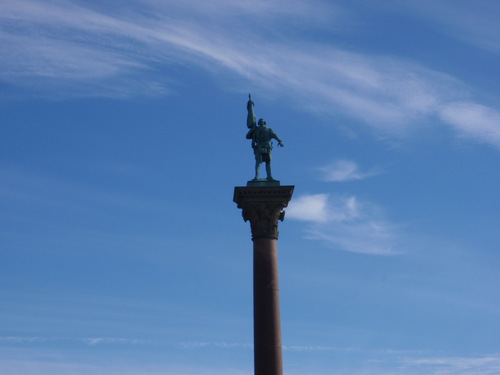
pixel 263 207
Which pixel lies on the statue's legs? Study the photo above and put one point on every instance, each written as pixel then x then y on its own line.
pixel 268 170
pixel 257 168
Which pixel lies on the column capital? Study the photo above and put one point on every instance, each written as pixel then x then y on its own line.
pixel 263 207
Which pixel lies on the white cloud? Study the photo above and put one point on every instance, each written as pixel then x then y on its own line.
pixel 344 170
pixel 90 341
pixel 205 344
pixel 475 23
pixel 486 365
pixel 26 186
pixel 121 366
pixel 473 120
pixel 303 348
pixel 364 237
pixel 48 46
pixel 112 341
pixel 24 339
pixel 316 208
pixel 42 361
pixel 309 208
pixel 345 223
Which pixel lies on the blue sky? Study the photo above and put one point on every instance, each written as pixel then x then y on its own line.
pixel 123 135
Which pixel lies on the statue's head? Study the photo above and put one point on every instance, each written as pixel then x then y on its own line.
pixel 262 122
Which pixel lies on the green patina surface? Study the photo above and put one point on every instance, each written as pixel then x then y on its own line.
pixel 261 136
pixel 263 182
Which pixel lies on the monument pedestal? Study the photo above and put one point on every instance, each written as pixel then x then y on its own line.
pixel 263 207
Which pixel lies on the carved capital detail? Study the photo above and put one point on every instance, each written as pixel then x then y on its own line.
pixel 263 207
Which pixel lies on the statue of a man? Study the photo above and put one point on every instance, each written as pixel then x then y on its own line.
pixel 261 136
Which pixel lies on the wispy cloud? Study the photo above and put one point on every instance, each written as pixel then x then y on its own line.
pixel 345 170
pixel 309 208
pixel 486 365
pixel 473 120
pixel 310 348
pixel 316 208
pixel 234 345
pixel 91 341
pixel 376 362
pixel 345 223
pixel 398 362
pixel 476 23
pixel 113 341
pixel 118 367
pixel 27 186
pixel 72 49
pixel 207 344
pixel 25 339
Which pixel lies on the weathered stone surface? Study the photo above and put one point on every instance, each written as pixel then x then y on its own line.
pixel 263 207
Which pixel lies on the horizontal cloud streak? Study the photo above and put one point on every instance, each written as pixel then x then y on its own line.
pixel 29 187
pixel 476 24
pixel 113 341
pixel 487 365
pixel 62 46
pixel 89 341
pixel 344 170
pixel 206 344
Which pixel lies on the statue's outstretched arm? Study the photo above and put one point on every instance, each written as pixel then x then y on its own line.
pixel 275 136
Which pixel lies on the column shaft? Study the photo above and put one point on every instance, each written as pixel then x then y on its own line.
pixel 263 207
pixel 267 320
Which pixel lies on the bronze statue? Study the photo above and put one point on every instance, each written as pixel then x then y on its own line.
pixel 261 136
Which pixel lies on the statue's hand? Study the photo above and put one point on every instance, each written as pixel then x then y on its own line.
pixel 281 144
